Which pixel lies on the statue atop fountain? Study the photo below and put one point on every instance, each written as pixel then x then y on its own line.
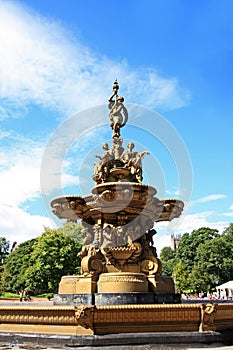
pixel 117 108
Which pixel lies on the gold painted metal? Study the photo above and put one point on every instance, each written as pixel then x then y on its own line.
pixel 86 320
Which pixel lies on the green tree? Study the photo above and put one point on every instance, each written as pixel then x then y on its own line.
pixel 213 264
pixel 73 231
pixel 39 264
pixel 16 265
pixel 189 243
pixel 54 255
pixel 4 249
pixel 229 230
pixel 180 276
pixel 203 259
pixel 167 259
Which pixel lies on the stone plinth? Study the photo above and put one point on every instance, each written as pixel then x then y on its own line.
pixel 77 285
pixel 122 282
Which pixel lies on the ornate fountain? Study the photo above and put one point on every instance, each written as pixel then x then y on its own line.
pixel 119 261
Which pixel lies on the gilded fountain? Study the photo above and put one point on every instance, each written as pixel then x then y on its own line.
pixel 119 260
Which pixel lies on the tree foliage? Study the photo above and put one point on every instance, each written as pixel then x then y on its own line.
pixel 16 265
pixel 73 231
pixel 39 264
pixel 203 259
pixel 187 249
pixel 167 257
pixel 4 249
pixel 180 276
pixel 213 263
pixel 229 230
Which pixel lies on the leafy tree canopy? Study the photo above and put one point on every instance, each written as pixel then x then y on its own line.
pixel 189 243
pixel 73 231
pixel 4 248
pixel 213 263
pixel 229 230
pixel 16 265
pixel 53 256
pixel 167 258
pixel 39 264
pixel 203 259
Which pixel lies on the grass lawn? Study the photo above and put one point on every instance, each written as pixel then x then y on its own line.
pixel 9 295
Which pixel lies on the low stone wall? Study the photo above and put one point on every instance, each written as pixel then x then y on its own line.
pixel 40 320
pixel 223 318
pixel 146 318
pixel 85 320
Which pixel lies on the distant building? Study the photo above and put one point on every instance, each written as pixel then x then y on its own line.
pixel 175 240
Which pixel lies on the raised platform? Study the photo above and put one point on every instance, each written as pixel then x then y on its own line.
pixel 116 298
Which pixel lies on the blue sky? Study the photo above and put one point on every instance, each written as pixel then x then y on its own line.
pixel 59 58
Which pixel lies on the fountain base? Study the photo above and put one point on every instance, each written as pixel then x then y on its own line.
pixel 133 298
pixel 116 288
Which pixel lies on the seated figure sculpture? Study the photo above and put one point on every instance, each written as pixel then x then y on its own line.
pixel 101 168
pixel 118 158
pixel 128 153
pixel 133 160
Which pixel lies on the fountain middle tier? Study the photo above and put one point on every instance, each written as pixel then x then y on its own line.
pixel 117 203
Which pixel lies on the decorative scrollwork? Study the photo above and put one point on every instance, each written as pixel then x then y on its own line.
pixel 149 267
pixel 208 313
pixel 84 316
pixel 93 262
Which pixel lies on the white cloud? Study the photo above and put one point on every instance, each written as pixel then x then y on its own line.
pixel 20 161
pixel 20 166
pixel 19 182
pixel 229 214
pixel 42 63
pixel 161 241
pixel 4 134
pixel 18 225
pixel 194 221
pixel 20 174
pixel 211 197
